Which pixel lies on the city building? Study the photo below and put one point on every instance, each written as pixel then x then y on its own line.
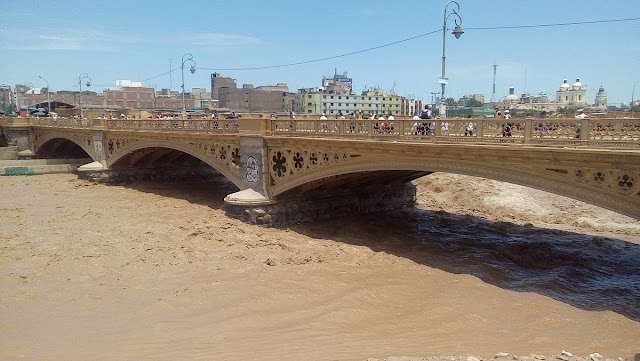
pixel 411 106
pixel 336 96
pixel 571 96
pixel 601 98
pixel 122 97
pixel 268 98
pixel 512 98
pixel 478 98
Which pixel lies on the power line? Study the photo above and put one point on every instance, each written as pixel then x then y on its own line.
pixel 402 41
pixel 555 24
pixel 329 57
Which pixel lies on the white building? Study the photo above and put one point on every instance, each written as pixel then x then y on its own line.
pixel 601 98
pixel 575 95
pixel 512 98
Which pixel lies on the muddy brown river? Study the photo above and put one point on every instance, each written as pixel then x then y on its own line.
pixel 156 271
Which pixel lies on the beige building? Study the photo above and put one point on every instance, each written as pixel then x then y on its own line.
pixel 336 96
pixel 571 96
pixel 268 98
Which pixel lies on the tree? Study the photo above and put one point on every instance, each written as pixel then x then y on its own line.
pixel 450 102
pixel 473 103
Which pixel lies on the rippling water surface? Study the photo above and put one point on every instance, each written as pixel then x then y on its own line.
pixel 589 272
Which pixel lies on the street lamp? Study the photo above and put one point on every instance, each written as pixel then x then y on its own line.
pixel 192 70
pixel 433 99
pixel 48 99
pixel 457 31
pixel 632 94
pixel 81 77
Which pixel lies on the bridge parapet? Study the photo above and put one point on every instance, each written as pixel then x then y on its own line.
pixel 597 132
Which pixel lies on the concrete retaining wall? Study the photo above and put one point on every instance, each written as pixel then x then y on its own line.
pixel 40 166
pixel 9 153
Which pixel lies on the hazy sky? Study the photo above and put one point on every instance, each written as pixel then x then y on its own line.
pixel 137 39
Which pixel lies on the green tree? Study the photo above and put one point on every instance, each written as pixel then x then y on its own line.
pixel 450 102
pixel 473 103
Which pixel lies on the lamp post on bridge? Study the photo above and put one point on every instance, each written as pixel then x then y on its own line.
pixel 48 98
pixel 82 77
pixel 457 31
pixel 192 70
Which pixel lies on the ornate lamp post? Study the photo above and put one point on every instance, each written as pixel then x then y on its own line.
pixel 457 31
pixel 81 77
pixel 192 70
pixel 48 98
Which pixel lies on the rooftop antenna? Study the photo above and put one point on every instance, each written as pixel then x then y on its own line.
pixel 493 94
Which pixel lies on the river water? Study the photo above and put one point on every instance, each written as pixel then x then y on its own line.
pixel 157 271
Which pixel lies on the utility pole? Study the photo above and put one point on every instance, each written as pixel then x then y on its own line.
pixel 493 94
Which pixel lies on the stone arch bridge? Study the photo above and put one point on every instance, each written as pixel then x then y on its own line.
pixel 287 169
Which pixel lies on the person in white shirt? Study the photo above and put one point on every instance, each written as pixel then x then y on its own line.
pixel 507 115
pixel 390 117
pixel 580 114
pixel 323 117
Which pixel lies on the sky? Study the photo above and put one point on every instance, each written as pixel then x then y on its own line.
pixel 142 40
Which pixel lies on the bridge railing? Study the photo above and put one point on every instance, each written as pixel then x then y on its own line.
pixel 624 132
pixel 609 131
pixel 174 125
pixel 177 125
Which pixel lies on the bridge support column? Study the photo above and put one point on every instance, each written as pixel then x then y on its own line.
pixel 98 156
pixel 19 136
pixel 255 175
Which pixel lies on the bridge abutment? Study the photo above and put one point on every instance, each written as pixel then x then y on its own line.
pixel 19 136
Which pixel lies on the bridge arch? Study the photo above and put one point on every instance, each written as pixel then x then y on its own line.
pixel 83 141
pixel 225 165
pixel 614 189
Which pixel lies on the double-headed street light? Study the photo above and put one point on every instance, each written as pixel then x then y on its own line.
pixel 434 97
pixel 48 98
pixel 457 31
pixel 81 77
pixel 192 70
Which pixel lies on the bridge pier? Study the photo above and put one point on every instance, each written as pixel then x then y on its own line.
pixel 250 206
pixel 17 135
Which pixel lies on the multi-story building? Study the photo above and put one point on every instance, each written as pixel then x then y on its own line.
pixel 336 97
pixel 123 97
pixel 411 106
pixel 476 97
pixel 269 98
pixel 574 95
